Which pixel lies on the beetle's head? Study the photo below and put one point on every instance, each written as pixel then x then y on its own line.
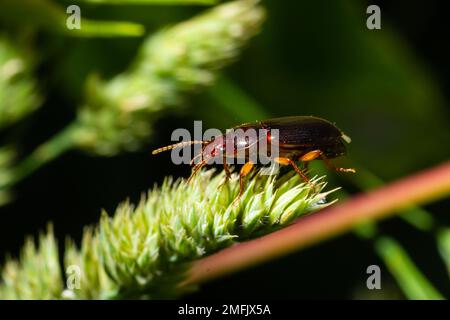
pixel 335 150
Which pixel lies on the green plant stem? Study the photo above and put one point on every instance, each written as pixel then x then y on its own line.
pixel 48 151
pixel 410 279
pixel 443 242
pixel 412 282
pixel 52 17
pixel 375 205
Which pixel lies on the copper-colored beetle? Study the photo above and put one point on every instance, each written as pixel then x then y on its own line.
pixel 300 138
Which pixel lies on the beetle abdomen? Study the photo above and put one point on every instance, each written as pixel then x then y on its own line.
pixel 304 130
pixel 299 134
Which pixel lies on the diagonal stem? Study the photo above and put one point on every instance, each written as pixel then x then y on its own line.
pixel 48 151
pixel 375 205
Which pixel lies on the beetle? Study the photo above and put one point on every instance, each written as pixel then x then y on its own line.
pixel 300 138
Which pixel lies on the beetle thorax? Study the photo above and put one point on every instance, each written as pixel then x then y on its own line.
pixel 237 144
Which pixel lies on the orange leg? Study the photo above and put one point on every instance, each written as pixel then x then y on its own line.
pixel 227 170
pixel 245 170
pixel 195 169
pixel 226 167
pixel 312 155
pixel 287 161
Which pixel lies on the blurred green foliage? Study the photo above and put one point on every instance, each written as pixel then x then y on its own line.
pixel 443 239
pixel 18 89
pixel 39 277
pixel 313 58
pixel 119 115
pixel 319 58
pixel 413 283
pixel 47 15
pixel 6 162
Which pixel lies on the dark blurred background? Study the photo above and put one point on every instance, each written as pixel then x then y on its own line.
pixel 388 89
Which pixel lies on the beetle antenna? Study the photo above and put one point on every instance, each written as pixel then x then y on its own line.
pixel 178 145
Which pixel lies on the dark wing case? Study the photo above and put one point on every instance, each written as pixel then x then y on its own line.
pixel 304 131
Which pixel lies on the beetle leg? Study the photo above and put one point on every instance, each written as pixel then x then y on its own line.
pixel 195 169
pixel 311 155
pixel 195 158
pixel 332 167
pixel 287 161
pixel 245 170
pixel 227 170
pixel 226 167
